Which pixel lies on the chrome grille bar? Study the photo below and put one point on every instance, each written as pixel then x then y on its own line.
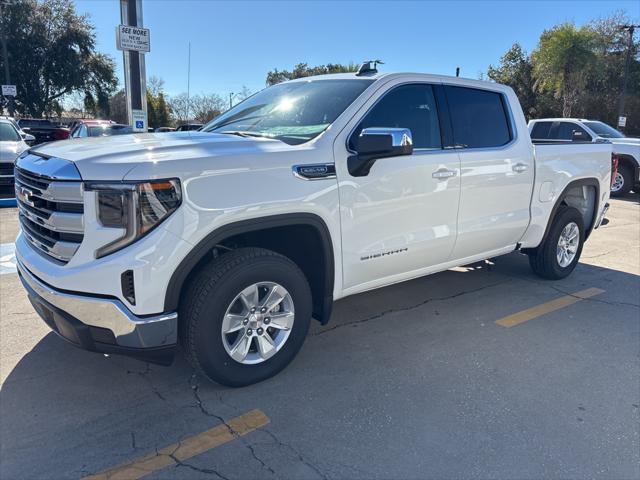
pixel 51 208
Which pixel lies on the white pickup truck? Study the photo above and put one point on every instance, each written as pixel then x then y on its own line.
pixel 230 239
pixel 626 149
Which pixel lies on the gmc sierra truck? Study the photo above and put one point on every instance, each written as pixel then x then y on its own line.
pixel 230 239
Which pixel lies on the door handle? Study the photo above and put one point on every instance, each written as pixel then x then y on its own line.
pixel 444 173
pixel 520 167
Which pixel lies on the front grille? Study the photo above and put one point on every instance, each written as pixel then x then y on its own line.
pixel 50 209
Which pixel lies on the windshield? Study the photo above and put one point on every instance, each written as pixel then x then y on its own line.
pixel 293 112
pixel 108 130
pixel 603 130
pixel 8 133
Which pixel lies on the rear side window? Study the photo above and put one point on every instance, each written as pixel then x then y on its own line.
pixel 407 106
pixel 541 130
pixel 564 131
pixel 478 118
pixel 558 131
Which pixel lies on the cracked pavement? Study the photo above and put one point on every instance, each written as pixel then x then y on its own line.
pixel 411 381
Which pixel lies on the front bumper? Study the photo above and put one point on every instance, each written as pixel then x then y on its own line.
pixel 102 324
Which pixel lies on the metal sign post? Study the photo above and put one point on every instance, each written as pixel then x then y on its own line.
pixel 134 42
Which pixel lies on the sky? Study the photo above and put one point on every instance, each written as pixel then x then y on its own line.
pixel 235 44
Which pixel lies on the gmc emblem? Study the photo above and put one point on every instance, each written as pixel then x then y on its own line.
pixel 24 195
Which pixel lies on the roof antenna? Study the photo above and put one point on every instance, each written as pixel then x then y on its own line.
pixel 366 67
pixel 457 71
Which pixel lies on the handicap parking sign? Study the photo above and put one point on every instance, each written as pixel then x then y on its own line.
pixel 140 124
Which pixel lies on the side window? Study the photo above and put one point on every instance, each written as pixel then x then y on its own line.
pixel 541 130
pixel 408 106
pixel 478 117
pixel 83 131
pixel 564 131
pixel 75 133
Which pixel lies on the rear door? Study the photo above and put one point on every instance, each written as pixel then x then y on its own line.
pixel 497 171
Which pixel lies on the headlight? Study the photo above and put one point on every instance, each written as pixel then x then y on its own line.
pixel 137 208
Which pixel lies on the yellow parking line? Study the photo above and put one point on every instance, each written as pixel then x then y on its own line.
pixel 190 447
pixel 544 308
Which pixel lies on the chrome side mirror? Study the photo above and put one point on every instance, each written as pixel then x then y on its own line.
pixel 27 137
pixel 375 143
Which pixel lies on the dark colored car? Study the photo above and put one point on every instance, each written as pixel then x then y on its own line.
pixel 188 127
pixel 43 130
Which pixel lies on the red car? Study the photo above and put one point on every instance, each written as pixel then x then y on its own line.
pixel 43 130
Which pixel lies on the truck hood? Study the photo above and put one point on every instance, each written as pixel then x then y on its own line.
pixel 111 158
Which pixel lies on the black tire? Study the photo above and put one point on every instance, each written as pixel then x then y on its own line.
pixel 543 260
pixel 210 293
pixel 627 181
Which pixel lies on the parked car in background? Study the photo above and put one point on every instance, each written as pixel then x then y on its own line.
pixel 43 130
pixel 626 149
pixel 72 125
pixel 12 144
pixel 232 238
pixel 189 127
pixel 164 129
pixel 99 128
pixel 27 137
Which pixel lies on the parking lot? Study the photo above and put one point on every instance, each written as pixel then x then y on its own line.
pixel 484 371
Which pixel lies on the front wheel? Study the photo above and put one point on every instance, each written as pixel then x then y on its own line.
pixel 245 316
pixel 558 255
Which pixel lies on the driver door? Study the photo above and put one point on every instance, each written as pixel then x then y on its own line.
pixel 399 219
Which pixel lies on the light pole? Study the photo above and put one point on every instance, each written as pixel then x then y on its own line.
pixel 5 55
pixel 627 62
pixel 231 94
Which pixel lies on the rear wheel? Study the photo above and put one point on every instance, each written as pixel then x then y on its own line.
pixel 622 181
pixel 558 255
pixel 245 316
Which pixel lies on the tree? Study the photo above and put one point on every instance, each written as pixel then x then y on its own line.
pixel 561 63
pixel 604 81
pixel 180 111
pixel 304 70
pixel 118 107
pixel 52 54
pixel 243 94
pixel 155 85
pixel 515 70
pixel 158 112
pixel 207 107
pixel 591 58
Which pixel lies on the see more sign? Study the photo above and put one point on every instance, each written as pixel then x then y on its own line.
pixel 137 39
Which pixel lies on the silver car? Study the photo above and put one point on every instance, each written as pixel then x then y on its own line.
pixel 12 144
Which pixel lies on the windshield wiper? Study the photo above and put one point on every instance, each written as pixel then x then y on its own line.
pixel 236 119
pixel 244 134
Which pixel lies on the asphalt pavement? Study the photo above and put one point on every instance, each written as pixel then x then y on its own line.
pixel 484 371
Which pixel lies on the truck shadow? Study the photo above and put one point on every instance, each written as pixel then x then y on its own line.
pixel 58 391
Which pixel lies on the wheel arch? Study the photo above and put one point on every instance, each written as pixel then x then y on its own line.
pixel 628 159
pixel 562 200
pixel 631 162
pixel 321 278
